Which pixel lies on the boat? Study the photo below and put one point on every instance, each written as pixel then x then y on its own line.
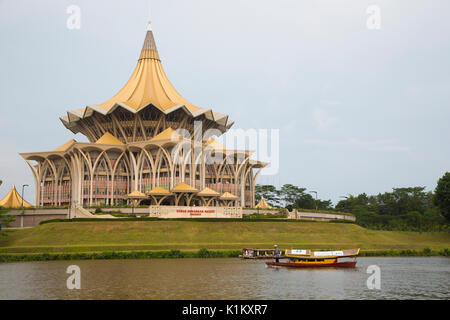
pixel 315 259
pixel 258 254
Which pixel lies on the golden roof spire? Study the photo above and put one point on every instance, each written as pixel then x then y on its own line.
pixel 149 50
pixel 147 87
pixel 149 84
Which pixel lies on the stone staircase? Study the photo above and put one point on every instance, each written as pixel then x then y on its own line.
pixel 81 212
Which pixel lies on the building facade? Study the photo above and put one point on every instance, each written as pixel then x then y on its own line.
pixel 145 139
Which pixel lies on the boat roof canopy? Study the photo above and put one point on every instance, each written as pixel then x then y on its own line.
pixel 322 254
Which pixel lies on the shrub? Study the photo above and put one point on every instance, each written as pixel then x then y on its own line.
pixel 175 254
pixel 203 253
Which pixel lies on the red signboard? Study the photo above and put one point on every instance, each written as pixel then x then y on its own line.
pixel 195 212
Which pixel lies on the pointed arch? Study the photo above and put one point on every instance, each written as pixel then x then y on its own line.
pixel 48 184
pixel 102 178
pixel 120 179
pixel 146 167
pixel 164 169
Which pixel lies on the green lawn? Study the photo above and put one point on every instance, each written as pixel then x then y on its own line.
pixel 193 235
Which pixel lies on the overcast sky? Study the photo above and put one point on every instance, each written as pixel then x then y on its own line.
pixel 358 110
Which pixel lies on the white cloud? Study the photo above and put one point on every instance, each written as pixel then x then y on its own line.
pixel 323 119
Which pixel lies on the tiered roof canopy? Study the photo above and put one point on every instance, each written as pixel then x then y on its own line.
pixel 148 86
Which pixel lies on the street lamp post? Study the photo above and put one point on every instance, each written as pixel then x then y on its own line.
pixel 23 187
pixel 316 198
pixel 346 198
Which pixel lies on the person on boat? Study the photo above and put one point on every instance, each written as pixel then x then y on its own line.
pixel 277 254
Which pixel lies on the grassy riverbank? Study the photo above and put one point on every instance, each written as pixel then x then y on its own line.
pixel 191 236
pixel 177 254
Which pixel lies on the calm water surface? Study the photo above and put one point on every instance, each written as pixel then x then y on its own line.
pixel 401 278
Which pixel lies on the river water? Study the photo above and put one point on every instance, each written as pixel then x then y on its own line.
pixel 193 279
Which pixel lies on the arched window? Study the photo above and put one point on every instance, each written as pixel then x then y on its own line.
pixel 227 179
pixel 122 181
pixel 101 182
pixel 86 184
pixel 210 178
pixel 64 186
pixel 48 186
pixel 247 188
pixel 145 175
pixel 163 171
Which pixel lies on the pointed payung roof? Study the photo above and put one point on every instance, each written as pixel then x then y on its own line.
pixel 168 134
pixel 213 144
pixel 207 192
pixel 184 187
pixel 149 84
pixel 108 138
pixel 228 196
pixel 262 204
pixel 66 145
pixel 14 200
pixel 136 194
pixel 159 191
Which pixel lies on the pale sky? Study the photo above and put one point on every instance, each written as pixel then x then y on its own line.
pixel 358 110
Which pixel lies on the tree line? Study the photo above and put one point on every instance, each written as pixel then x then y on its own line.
pixel 410 208
pixel 291 197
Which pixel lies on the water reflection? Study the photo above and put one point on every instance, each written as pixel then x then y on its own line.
pixel 401 278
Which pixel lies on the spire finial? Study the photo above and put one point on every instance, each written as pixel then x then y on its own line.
pixel 149 50
pixel 149 24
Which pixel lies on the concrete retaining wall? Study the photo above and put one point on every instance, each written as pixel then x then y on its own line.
pixel 31 218
pixel 300 215
pixel 261 211
pixel 317 216
pixel 137 211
